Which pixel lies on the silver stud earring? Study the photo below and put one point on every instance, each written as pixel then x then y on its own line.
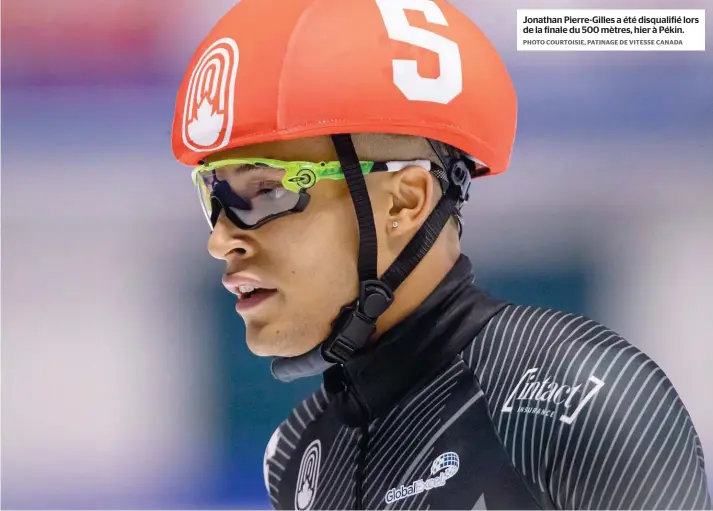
pixel 395 225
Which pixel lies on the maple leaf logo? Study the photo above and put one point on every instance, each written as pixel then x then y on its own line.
pixel 205 129
pixel 304 497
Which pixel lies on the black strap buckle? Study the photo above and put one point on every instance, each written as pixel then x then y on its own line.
pixel 459 179
pixel 356 323
pixel 350 332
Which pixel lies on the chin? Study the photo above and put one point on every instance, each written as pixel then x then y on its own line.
pixel 276 342
pixel 261 347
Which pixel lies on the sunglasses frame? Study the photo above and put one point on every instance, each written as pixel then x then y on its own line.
pixel 299 177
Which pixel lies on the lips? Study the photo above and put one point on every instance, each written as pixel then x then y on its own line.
pixel 242 284
pixel 249 300
pixel 251 291
pixel 246 292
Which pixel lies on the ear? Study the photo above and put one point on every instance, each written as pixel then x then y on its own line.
pixel 412 192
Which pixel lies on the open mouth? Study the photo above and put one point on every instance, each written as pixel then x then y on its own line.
pixel 249 296
pixel 247 292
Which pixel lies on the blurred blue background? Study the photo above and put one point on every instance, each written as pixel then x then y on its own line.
pixel 126 381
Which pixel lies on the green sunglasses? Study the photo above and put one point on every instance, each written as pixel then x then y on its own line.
pixel 253 191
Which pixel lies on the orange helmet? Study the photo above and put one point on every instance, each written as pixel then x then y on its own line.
pixel 284 69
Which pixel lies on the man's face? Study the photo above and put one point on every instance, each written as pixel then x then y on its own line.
pixel 308 258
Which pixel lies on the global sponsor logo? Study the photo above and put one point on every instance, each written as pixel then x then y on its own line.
pixel 547 397
pixel 443 468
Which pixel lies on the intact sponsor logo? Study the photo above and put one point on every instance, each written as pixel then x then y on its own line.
pixel 549 398
pixel 443 468
pixel 308 476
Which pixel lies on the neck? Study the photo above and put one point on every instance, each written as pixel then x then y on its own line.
pixel 424 279
pixel 419 346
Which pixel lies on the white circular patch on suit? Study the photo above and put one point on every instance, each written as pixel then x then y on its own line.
pixel 308 477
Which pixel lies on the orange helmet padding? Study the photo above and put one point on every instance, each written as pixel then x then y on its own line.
pixel 283 69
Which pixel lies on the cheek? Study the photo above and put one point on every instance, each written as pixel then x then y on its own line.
pixel 330 241
pixel 387 249
pixel 317 250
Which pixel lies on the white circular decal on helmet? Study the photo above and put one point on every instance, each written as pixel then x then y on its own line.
pixel 210 97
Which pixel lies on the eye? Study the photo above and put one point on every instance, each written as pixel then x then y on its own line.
pixel 272 190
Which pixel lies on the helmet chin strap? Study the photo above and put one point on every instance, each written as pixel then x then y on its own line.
pixel 356 323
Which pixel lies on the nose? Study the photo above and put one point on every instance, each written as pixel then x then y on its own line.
pixel 228 240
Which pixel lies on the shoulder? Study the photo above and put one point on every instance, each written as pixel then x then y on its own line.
pixel 522 343
pixel 586 412
pixel 535 358
pixel 285 440
pixel 553 365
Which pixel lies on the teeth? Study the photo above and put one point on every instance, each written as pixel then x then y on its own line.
pixel 246 289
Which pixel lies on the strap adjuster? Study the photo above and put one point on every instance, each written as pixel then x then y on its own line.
pixel 352 331
pixel 357 323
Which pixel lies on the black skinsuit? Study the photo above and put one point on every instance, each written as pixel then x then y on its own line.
pixel 471 403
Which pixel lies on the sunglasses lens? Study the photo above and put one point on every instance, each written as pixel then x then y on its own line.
pixel 249 193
